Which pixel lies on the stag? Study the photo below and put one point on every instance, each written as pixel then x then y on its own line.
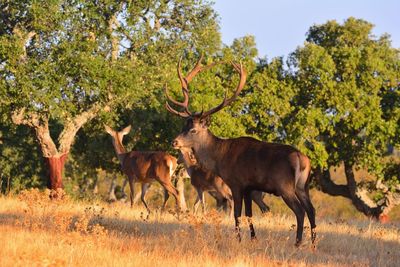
pixel 244 163
pixel 146 167
pixel 206 181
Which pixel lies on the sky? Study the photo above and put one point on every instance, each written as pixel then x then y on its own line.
pixel 280 26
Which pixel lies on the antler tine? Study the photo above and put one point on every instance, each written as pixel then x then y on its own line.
pixel 182 104
pixel 243 76
pixel 185 91
pixel 184 114
pixel 225 102
pixel 197 68
pixel 185 82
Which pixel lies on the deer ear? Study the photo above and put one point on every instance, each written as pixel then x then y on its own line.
pixel 108 129
pixel 126 130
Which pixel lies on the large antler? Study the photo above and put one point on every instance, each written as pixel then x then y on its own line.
pixel 185 90
pixel 239 68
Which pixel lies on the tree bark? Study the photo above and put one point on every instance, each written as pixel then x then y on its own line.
pixel 56 168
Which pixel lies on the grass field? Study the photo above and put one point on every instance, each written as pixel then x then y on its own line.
pixel 38 232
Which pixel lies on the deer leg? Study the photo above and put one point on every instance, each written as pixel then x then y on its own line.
pixel 166 197
pixel 180 186
pixel 171 189
pixel 132 189
pixel 231 206
pixel 203 203
pixel 295 205
pixel 304 197
pixel 249 213
pixel 225 192
pixel 199 200
pixel 237 203
pixel 228 200
pixel 196 205
pixel 137 196
pixel 145 187
pixel 220 202
pixel 126 181
pixel 257 197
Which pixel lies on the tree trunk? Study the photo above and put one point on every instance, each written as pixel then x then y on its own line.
pixel 55 158
pixel 358 197
pixel 56 168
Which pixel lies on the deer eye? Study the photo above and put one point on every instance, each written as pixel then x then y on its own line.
pixel 193 131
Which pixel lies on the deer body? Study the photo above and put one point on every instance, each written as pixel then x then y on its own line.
pixel 246 164
pixel 206 181
pixel 146 167
pixel 254 161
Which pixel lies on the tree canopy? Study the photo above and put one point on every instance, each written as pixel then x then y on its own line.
pixel 66 62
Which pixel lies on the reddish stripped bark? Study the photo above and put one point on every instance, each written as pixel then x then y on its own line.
pixel 56 168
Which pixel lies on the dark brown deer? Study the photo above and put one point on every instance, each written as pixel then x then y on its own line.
pixel 205 181
pixel 146 167
pixel 244 163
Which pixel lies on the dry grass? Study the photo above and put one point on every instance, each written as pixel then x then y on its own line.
pixel 39 232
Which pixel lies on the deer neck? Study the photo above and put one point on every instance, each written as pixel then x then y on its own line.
pixel 208 152
pixel 188 162
pixel 120 150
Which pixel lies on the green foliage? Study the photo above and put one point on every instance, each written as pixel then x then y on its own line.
pixel 391 176
pixel 63 58
pixel 20 161
pixel 345 75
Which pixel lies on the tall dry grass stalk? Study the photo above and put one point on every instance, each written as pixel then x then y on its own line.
pixel 37 231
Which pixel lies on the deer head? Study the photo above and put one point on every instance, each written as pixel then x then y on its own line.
pixel 117 138
pixel 196 130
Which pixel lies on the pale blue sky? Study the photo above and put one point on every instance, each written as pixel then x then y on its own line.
pixel 279 26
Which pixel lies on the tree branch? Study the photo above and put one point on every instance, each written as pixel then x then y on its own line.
pixel 327 186
pixel 41 126
pixel 359 197
pixel 390 200
pixel 114 39
pixel 24 38
pixel 72 126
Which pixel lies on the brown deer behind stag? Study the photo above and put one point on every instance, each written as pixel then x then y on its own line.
pixel 146 167
pixel 244 163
